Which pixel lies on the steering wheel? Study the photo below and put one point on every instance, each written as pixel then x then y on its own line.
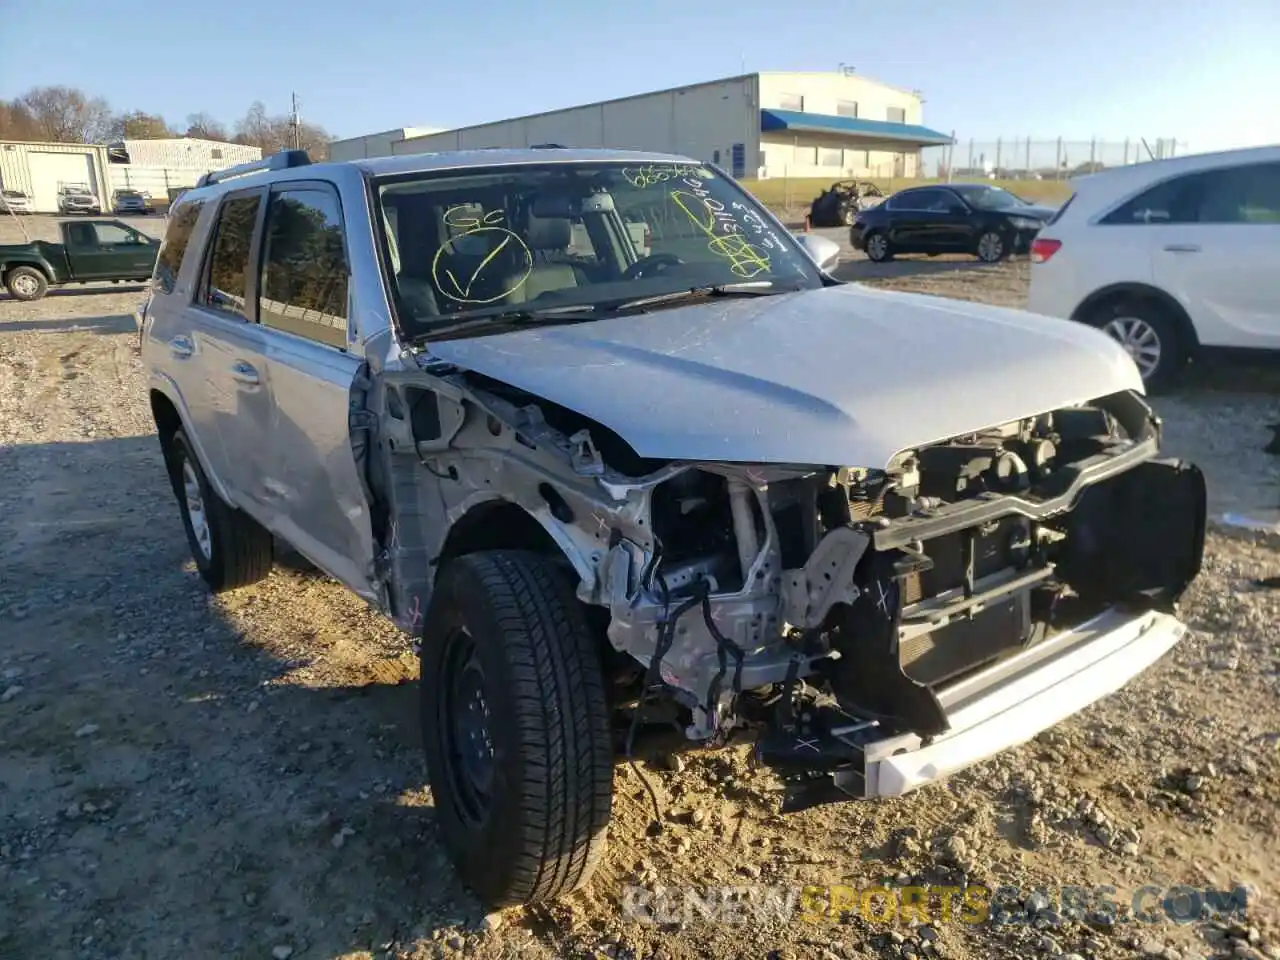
pixel 656 262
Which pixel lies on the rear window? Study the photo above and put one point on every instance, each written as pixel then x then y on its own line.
pixel 182 221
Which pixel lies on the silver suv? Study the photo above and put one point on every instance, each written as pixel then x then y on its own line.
pixel 891 534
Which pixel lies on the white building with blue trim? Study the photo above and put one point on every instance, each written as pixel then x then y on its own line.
pixel 834 124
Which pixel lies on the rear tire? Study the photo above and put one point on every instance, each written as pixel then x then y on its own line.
pixel 1150 335
pixel 26 283
pixel 876 245
pixel 516 728
pixel 230 548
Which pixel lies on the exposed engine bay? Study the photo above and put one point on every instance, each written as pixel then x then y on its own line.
pixel 831 602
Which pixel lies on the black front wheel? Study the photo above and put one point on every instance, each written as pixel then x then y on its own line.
pixel 991 247
pixel 516 728
pixel 877 246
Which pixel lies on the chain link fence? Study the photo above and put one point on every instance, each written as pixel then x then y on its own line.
pixel 1026 158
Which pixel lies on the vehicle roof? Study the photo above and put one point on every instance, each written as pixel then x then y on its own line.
pixel 427 162
pixel 1159 169
pixel 459 159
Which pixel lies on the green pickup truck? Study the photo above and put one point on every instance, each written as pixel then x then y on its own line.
pixel 90 251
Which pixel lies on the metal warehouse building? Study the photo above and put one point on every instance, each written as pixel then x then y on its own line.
pixel 375 144
pixel 37 168
pixel 835 124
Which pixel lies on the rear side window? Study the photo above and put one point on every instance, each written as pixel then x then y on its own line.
pixel 1173 201
pixel 1248 194
pixel 182 222
pixel 304 266
pixel 227 286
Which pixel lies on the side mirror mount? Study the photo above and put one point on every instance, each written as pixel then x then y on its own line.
pixel 825 253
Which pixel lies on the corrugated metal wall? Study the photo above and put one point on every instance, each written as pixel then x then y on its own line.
pixel 188 153
pixel 21 169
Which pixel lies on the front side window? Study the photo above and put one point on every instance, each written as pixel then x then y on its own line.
pixel 114 233
pixel 304 266
pixel 1241 195
pixel 991 198
pixel 227 286
pixel 475 244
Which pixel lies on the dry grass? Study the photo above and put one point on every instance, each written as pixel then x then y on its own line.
pixel 793 195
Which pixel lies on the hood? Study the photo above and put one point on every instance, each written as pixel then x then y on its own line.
pixel 844 375
pixel 1035 211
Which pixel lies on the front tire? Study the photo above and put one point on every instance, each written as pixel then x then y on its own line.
pixel 991 247
pixel 516 728
pixel 230 548
pixel 26 283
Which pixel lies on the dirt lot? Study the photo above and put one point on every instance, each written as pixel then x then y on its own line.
pixel 241 777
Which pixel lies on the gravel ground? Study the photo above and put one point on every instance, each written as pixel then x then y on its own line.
pixel 183 776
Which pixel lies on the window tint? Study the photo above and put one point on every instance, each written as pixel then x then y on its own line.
pixel 228 283
pixel 1242 195
pixel 114 233
pixel 923 200
pixel 1248 194
pixel 182 222
pixel 304 267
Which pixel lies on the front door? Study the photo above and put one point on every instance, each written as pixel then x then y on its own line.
pixel 109 250
pixel 314 491
pixel 1219 256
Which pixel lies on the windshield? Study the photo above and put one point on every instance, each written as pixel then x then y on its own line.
pixel 560 236
pixel 992 198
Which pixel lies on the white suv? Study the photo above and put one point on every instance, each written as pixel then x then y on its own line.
pixel 1172 258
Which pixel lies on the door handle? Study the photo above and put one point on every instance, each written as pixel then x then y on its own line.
pixel 1182 248
pixel 181 346
pixel 244 373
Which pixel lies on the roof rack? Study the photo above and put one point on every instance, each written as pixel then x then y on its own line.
pixel 547 146
pixel 277 161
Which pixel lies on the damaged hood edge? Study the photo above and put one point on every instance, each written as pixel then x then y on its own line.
pixel 846 375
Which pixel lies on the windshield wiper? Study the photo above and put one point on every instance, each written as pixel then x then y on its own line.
pixel 745 287
pixel 564 314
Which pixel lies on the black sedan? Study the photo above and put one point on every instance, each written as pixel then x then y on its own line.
pixel 987 221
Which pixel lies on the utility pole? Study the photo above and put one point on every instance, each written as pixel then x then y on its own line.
pixel 295 123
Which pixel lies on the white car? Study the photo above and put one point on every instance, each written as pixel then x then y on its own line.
pixel 14 201
pixel 1173 258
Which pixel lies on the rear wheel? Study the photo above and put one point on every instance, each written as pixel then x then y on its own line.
pixel 1149 335
pixel 26 283
pixel 516 728
pixel 877 246
pixel 230 548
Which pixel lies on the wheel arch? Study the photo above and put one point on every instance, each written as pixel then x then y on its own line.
pixel 1117 293
pixel 496 523
pixel 170 415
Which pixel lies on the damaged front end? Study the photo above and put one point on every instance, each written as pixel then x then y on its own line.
pixel 899 624
pixel 880 627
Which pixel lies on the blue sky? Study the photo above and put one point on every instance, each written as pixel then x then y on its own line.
pixel 1205 72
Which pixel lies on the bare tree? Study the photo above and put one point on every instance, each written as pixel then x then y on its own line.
pixel 66 115
pixel 203 126
pixel 271 134
pixel 16 122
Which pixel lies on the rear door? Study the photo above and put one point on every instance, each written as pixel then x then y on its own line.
pixel 1215 245
pixel 314 493
pixel 229 351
